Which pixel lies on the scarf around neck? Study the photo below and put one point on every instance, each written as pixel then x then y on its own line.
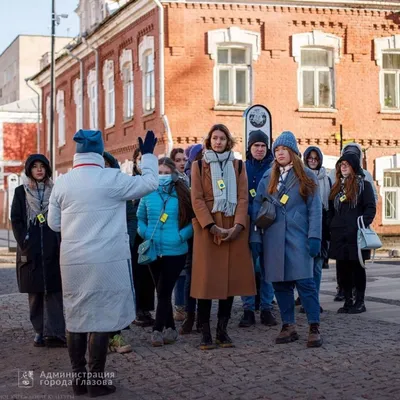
pixel 283 174
pixel 353 204
pixel 222 169
pixel 37 197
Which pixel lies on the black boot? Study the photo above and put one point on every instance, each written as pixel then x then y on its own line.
pixel 222 338
pixel 339 294
pixel 188 323
pixel 206 338
pixel 348 303
pixel 267 318
pixel 359 305
pixel 248 319
pixel 98 346
pixel 77 344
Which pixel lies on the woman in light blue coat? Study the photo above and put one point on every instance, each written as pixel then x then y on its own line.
pixel 294 238
pixel 165 217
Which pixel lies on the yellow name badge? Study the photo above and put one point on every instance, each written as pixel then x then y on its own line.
pixel 253 193
pixel 164 218
pixel 343 198
pixel 221 184
pixel 41 218
pixel 284 199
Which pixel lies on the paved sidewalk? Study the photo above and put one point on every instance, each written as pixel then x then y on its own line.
pixel 359 359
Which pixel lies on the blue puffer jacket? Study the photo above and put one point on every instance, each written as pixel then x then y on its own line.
pixel 168 238
pixel 255 171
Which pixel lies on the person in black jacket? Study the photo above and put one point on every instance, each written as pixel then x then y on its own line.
pixel 351 196
pixel 38 253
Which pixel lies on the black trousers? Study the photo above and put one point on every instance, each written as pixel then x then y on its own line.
pixel 142 281
pixel 46 313
pixel 204 309
pixel 165 272
pixel 351 274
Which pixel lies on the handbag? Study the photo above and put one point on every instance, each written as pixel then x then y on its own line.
pixel 367 239
pixel 267 214
pixel 147 250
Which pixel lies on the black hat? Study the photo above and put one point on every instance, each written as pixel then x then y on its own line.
pixel 256 137
pixel 37 157
pixel 354 162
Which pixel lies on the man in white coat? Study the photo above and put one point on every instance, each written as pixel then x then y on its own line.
pixel 88 207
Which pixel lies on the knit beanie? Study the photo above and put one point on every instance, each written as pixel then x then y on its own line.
pixel 354 162
pixel 194 151
pixel 257 137
pixel 89 142
pixel 286 139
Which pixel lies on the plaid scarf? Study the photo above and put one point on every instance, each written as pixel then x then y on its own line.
pixel 342 192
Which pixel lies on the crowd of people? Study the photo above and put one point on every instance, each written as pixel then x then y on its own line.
pixel 98 245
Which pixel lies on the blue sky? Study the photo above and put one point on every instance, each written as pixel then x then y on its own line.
pixel 34 17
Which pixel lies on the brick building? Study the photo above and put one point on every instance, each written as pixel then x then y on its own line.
pixel 315 64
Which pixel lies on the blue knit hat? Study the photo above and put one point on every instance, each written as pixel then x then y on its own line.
pixel 89 142
pixel 286 139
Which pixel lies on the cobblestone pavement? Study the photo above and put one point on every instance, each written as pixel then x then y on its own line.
pixel 359 360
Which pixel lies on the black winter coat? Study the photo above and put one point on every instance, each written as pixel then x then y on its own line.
pixel 343 225
pixel 38 251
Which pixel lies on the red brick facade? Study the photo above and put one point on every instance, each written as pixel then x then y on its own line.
pixel 189 85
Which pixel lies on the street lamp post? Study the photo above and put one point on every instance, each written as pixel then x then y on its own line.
pixel 55 20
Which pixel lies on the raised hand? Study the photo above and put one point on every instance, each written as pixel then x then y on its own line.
pixel 150 141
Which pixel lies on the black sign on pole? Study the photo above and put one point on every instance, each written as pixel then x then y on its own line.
pixel 257 118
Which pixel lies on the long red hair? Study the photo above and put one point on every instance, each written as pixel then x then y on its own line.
pixel 307 185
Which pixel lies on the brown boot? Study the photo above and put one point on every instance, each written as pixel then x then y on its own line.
pixel 314 337
pixel 288 334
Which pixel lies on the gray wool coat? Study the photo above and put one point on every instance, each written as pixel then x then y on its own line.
pixel 285 243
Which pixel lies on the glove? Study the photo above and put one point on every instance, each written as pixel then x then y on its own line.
pixel 233 233
pixel 217 231
pixel 256 249
pixel 314 246
pixel 149 143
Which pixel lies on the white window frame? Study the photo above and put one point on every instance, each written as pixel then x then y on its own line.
pixel 146 48
pixel 316 71
pixel 128 89
pixel 316 39
pixel 92 12
pixel 93 99
pixel 48 124
pixel 61 118
pixel 390 189
pixel 109 93
pixel 229 38
pixel 388 44
pixel 232 69
pixel 396 73
pixel 78 104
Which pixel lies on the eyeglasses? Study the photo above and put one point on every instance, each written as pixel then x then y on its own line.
pixel 312 159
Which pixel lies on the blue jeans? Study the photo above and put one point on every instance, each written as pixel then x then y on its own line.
pixel 179 291
pixel 318 263
pixel 284 293
pixel 266 290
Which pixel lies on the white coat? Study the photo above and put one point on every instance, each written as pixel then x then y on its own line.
pixel 88 207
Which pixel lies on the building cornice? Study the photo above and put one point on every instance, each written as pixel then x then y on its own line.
pixel 132 12
pixel 389 5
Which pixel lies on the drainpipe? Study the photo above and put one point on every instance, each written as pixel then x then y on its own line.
pixel 82 82
pixel 162 76
pixel 38 114
pixel 96 51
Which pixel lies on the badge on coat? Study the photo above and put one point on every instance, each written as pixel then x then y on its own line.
pixel 284 199
pixel 164 218
pixel 221 184
pixel 41 218
pixel 343 198
pixel 253 193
